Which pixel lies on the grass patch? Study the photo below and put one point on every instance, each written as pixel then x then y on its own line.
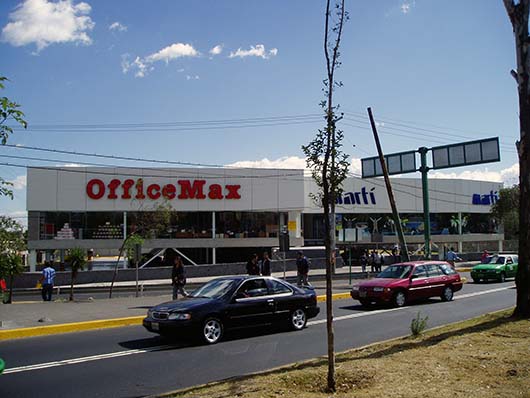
pixel 485 357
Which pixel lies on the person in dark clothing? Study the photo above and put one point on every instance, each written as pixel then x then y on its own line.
pixel 178 278
pixel 396 258
pixel 252 265
pixel 302 268
pixel 364 261
pixel 266 265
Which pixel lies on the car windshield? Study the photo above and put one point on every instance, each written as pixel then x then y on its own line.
pixel 494 260
pixel 395 272
pixel 214 289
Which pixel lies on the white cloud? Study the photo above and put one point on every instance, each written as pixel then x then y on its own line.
pixel 407 6
pixel 255 51
pixel 69 165
pixel 118 27
pixel 509 176
pixel 19 182
pixel 43 22
pixel 288 162
pixel 216 50
pixel 142 66
pixel 174 51
pixel 196 77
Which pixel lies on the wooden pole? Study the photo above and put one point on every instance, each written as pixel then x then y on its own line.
pixel 397 220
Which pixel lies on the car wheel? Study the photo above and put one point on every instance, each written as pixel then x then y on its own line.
pixel 365 303
pixel 502 279
pixel 400 299
pixel 298 319
pixel 212 330
pixel 447 295
pixel 476 280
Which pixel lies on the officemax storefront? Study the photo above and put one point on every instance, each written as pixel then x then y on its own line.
pixel 221 215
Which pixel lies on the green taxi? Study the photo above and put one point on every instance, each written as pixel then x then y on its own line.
pixel 497 267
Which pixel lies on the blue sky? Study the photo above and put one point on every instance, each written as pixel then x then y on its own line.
pixel 434 72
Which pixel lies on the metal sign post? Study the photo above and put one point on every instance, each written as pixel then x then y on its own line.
pixel 445 156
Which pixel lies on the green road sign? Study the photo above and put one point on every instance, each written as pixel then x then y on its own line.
pixel 466 153
pixel 396 163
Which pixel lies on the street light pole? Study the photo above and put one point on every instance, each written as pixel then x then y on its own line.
pixel 426 211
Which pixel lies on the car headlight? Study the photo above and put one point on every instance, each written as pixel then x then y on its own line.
pixel 178 316
pixel 355 288
pixel 378 289
pixel 150 313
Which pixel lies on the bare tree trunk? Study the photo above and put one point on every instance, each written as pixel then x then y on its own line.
pixel 10 298
pixel 519 16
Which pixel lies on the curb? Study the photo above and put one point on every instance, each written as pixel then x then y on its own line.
pixel 21 333
pixel 11 334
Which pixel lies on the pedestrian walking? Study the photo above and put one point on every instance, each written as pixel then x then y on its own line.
pixel 178 278
pixel 47 279
pixel 378 260
pixel 302 268
pixel 484 256
pixel 364 261
pixel 252 265
pixel 452 256
pixel 396 258
pixel 265 265
pixel 371 261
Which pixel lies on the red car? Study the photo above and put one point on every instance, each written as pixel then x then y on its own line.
pixel 402 283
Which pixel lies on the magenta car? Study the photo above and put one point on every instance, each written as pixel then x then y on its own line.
pixel 402 283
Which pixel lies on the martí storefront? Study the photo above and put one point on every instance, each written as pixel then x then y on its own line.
pixel 221 215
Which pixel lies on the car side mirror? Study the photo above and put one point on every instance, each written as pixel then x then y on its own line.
pixel 414 277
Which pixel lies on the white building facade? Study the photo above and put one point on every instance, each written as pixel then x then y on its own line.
pixel 216 213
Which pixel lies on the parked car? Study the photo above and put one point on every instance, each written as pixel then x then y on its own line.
pixel 232 303
pixel 497 267
pixel 402 283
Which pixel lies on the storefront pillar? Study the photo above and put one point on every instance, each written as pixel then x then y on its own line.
pixel 294 224
pixel 459 232
pixel 501 248
pixel 32 260
pixel 124 225
pixel 214 257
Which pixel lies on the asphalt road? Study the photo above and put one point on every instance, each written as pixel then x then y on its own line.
pixel 131 362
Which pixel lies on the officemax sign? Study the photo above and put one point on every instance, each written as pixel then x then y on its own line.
pixel 136 189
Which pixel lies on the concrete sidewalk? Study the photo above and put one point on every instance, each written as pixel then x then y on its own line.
pixel 32 318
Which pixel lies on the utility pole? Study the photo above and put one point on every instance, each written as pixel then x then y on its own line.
pixel 404 251
pixel 426 211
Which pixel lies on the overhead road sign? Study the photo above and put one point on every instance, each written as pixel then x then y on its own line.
pixel 466 153
pixel 396 163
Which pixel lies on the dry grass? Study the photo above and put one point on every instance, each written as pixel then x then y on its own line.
pixel 485 357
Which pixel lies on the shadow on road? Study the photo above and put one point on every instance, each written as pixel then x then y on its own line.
pixel 188 340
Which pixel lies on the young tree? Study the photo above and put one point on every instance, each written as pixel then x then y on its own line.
pixel 77 260
pixel 518 12
pixel 12 242
pixel 328 164
pixel 9 111
pixel 506 211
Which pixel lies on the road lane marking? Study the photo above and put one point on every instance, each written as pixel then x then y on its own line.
pixel 375 312
pixel 85 359
pixel 163 347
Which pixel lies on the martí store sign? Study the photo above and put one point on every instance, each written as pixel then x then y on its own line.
pixel 185 189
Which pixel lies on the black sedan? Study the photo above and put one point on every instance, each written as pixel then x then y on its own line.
pixel 233 303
